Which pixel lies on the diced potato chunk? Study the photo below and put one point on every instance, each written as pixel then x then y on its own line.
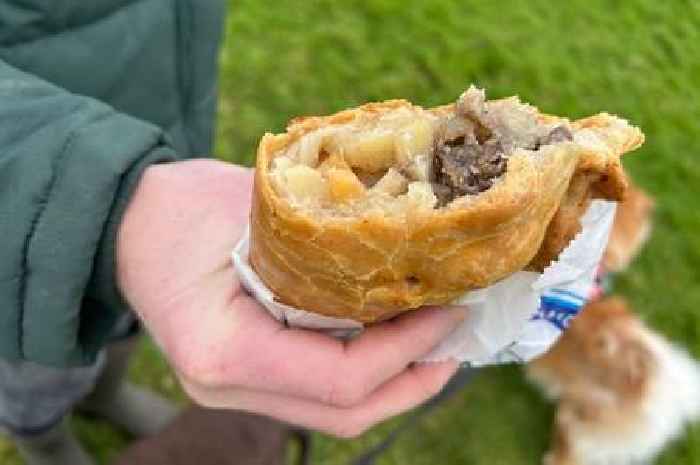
pixel 392 183
pixel 303 182
pixel 309 148
pixel 414 139
pixel 344 186
pixel 420 194
pixel 369 152
pixel 334 160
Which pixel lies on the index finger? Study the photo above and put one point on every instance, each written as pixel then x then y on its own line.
pixel 265 355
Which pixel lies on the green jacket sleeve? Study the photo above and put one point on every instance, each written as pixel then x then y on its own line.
pixel 68 165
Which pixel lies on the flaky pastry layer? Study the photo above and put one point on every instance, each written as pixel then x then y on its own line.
pixel 350 218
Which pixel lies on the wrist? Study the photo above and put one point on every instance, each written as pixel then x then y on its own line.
pixel 105 286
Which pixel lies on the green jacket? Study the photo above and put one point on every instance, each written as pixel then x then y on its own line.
pixel 91 93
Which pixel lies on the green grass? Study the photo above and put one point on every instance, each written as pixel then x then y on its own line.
pixel 639 59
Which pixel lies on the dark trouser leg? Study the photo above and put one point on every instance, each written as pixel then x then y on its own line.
pixel 34 401
pixel 55 446
pixel 204 437
pixel 213 437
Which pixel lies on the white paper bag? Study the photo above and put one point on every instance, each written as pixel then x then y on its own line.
pixel 513 320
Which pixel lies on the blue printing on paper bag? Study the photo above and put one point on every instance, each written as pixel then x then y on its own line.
pixel 558 307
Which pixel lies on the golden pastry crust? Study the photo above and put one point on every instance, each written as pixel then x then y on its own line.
pixel 371 266
pixel 599 174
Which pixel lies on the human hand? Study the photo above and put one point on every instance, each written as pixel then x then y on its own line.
pixel 174 268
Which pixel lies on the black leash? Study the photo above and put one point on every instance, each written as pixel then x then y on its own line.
pixel 458 381
pixel 461 379
pixel 303 439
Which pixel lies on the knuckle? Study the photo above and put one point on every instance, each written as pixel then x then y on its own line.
pixel 198 367
pixel 430 386
pixel 343 394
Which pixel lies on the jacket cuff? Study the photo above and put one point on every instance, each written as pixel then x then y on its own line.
pixel 71 301
pixel 104 303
